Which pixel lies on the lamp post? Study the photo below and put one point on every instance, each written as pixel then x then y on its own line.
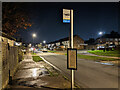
pixel 44 42
pixel 33 35
pixel 100 33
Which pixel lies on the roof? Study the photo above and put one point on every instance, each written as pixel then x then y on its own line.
pixel 63 39
pixel 111 35
pixel 7 36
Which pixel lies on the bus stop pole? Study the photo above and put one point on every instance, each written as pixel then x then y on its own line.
pixel 72 44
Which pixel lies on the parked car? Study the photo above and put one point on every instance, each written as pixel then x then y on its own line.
pixel 44 50
pixel 112 46
pixel 100 47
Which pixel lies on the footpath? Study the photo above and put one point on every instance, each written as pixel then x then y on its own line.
pixel 37 75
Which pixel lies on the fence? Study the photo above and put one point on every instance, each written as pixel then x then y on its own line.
pixel 9 62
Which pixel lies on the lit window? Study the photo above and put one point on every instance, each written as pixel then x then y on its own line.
pixel 116 39
pixel 107 39
pixel 111 42
pixel 111 39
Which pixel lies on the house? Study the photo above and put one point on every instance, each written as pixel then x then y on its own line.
pixel 18 42
pixel 64 43
pixel 90 44
pixel 109 39
pixel 4 38
pixel 106 40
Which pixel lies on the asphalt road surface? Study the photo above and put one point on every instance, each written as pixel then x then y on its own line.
pixel 89 74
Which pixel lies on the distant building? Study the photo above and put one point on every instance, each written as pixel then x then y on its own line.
pixel 64 43
pixel 106 40
pixel 18 42
pixel 91 41
pixel 110 39
pixel 90 44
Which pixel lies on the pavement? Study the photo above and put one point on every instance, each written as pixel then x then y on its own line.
pixel 37 75
pixel 0 74
pixel 89 74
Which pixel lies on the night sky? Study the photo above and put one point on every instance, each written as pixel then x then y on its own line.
pixel 89 19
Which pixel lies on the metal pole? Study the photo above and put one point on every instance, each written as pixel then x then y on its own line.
pixel 72 45
pixel 33 44
pixel 33 41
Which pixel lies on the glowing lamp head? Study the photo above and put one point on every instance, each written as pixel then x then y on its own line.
pixel 44 41
pixel 100 33
pixel 34 35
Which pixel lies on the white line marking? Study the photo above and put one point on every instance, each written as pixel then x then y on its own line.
pixel 50 64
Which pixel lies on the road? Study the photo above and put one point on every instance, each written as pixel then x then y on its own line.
pixel 89 74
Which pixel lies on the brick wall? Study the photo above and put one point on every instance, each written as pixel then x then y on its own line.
pixel 77 41
pixel 89 47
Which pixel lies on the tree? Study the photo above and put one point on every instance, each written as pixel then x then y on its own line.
pixel 14 18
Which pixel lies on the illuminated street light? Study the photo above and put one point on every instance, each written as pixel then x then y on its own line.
pixel 100 33
pixel 44 41
pixel 34 35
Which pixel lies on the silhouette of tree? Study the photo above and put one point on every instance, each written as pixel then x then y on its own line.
pixel 14 18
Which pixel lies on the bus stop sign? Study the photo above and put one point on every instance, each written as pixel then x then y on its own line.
pixel 72 58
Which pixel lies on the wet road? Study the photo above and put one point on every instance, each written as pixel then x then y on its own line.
pixel 89 74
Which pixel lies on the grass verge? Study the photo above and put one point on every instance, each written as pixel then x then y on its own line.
pixel 51 73
pixel 37 58
pixel 114 53
pixel 96 58
pixel 33 53
pixel 52 51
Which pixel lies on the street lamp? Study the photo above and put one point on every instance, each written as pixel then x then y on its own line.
pixel 33 35
pixel 101 40
pixel 100 33
pixel 44 41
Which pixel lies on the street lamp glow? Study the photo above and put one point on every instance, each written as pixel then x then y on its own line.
pixel 100 33
pixel 44 41
pixel 34 35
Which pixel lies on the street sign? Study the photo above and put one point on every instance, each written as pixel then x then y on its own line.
pixel 72 58
pixel 66 16
pixel 71 52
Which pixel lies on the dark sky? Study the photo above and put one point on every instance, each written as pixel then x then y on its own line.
pixel 89 19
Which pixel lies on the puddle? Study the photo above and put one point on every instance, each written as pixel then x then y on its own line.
pixel 44 71
pixel 105 63
pixel 34 72
pixel 38 72
pixel 33 83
